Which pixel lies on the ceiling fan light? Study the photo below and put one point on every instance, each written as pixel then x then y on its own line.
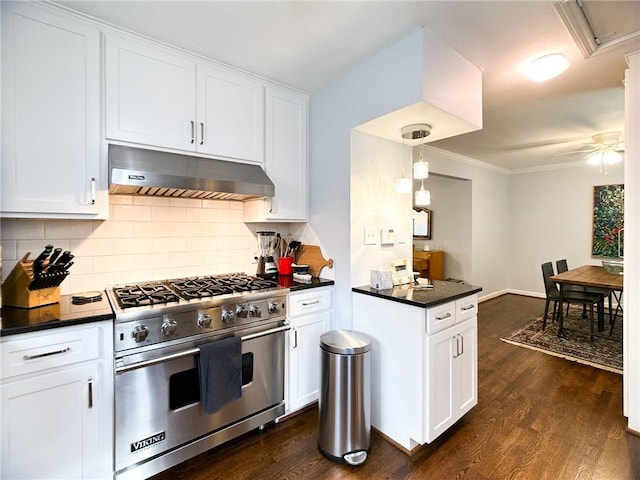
pixel 611 157
pixel 595 159
pixel 546 67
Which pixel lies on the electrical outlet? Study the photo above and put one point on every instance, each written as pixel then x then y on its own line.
pixel 370 235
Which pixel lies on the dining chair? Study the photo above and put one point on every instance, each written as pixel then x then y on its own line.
pixel 553 294
pixel 562 266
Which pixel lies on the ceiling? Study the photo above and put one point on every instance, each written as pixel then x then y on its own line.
pixel 307 44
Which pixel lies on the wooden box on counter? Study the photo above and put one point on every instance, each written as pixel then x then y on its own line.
pixel 16 293
pixel 430 264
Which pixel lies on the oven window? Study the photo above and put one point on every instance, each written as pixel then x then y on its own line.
pixel 184 387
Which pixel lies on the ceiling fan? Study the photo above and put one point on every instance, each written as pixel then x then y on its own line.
pixel 606 149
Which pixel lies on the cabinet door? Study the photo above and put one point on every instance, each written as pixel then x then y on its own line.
pixel 150 95
pixel 441 382
pixel 230 113
pixel 50 115
pixel 285 159
pixel 304 385
pixel 466 372
pixel 50 425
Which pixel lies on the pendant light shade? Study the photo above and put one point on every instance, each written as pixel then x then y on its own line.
pixel 421 170
pixel 422 197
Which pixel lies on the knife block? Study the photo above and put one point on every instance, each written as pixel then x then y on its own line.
pixel 16 293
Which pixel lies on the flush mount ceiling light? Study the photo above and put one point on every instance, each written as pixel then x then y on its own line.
pixel 545 67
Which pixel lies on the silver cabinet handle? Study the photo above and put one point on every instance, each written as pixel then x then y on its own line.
pixel 462 344
pixel 468 307
pixel 193 131
pixel 295 338
pixel 201 133
pixel 274 205
pixel 93 191
pixel 90 382
pixel 455 355
pixel 444 317
pixel 46 354
pixel 306 304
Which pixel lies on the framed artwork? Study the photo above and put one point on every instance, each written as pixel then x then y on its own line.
pixel 421 223
pixel 608 221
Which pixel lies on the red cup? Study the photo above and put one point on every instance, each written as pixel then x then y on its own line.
pixel 284 265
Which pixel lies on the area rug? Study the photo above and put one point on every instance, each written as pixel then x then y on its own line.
pixel 603 353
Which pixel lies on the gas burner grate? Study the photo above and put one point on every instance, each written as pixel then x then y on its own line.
pixel 144 295
pixel 211 286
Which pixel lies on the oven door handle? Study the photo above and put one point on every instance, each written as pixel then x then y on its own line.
pixel 193 351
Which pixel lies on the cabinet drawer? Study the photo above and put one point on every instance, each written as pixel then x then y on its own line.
pixel 441 317
pixel 33 353
pixel 313 300
pixel 466 308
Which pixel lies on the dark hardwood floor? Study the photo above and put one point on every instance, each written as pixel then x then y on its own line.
pixel 538 417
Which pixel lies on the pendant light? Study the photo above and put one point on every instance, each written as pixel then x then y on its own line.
pixel 419 131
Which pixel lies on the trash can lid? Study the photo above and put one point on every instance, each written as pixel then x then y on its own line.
pixel 345 342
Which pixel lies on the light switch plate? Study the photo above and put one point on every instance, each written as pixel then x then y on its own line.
pixel 387 236
pixel 370 235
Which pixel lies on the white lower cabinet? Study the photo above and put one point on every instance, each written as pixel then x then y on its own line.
pixel 424 365
pixel 56 395
pixel 309 316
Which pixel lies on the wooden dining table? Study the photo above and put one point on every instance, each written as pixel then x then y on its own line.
pixel 586 276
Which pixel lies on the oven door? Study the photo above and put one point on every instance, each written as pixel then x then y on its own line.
pixel 157 400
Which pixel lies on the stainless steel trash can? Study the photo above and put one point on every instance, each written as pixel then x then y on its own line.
pixel 344 430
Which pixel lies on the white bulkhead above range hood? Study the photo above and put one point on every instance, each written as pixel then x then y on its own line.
pixel 137 171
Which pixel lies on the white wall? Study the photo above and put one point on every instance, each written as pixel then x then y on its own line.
pixel 550 218
pixel 384 83
pixel 375 165
pixel 451 205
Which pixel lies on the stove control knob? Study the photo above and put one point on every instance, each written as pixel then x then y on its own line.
pixel 140 333
pixel 254 311
pixel 168 327
pixel 273 307
pixel 204 320
pixel 241 311
pixel 227 315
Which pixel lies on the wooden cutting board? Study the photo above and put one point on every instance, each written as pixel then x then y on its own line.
pixel 312 255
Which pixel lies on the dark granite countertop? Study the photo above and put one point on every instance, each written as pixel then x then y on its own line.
pixel 442 292
pixel 23 320
pixel 287 281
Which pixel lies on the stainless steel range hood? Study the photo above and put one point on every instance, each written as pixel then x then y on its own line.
pixel 139 171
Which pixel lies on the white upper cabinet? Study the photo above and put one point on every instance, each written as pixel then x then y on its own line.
pixel 150 95
pixel 160 98
pixel 230 115
pixel 285 159
pixel 50 115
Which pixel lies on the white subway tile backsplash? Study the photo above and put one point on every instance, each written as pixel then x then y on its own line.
pixel 22 229
pixel 161 245
pixel 145 238
pixel 151 229
pixel 131 213
pixel 67 229
pixel 90 247
pixel 112 229
pixel 168 214
pixel 124 246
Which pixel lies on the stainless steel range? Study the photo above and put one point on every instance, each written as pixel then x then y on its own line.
pixel 162 331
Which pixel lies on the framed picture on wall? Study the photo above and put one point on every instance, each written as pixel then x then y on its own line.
pixel 608 221
pixel 421 223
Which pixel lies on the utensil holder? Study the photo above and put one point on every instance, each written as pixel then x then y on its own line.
pixel 20 289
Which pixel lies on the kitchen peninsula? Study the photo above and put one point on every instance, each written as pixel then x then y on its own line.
pixel 424 357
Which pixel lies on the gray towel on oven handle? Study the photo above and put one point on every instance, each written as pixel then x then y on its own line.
pixel 220 367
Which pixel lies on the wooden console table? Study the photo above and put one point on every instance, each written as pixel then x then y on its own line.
pixel 429 264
